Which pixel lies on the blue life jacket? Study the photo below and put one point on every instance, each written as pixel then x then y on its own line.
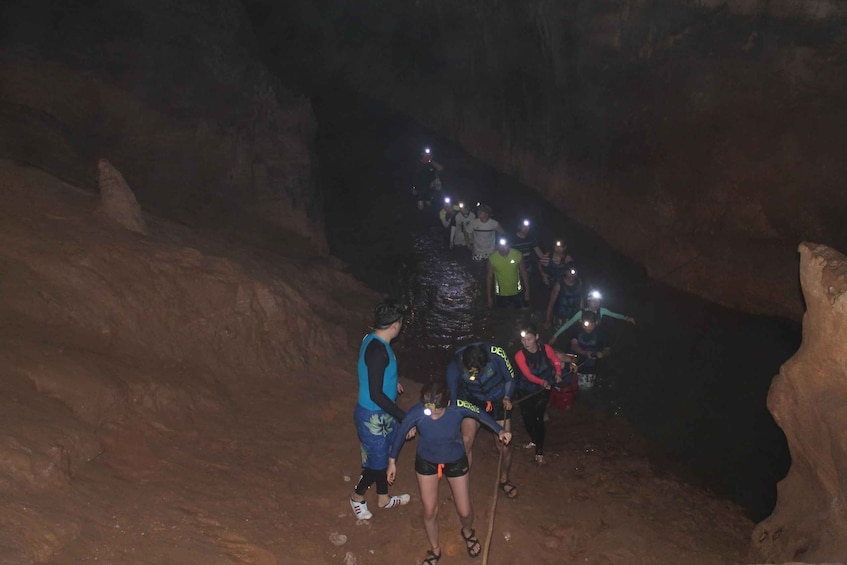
pixel 567 303
pixel 540 366
pixel 487 385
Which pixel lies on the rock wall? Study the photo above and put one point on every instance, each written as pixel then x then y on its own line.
pixel 700 137
pixel 172 94
pixel 807 400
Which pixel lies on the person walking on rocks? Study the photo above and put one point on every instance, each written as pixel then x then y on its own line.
pixel 440 451
pixel 376 414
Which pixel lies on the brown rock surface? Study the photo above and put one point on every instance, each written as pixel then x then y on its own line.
pixel 117 198
pixel 807 400
pixel 180 399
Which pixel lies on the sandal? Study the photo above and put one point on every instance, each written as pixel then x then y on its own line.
pixel 472 543
pixel 431 558
pixel 509 488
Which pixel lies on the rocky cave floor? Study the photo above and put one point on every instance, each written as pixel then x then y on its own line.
pixel 220 463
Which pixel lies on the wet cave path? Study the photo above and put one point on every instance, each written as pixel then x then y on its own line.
pixel 691 376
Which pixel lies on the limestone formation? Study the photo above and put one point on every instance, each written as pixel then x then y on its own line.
pixel 117 199
pixel 808 399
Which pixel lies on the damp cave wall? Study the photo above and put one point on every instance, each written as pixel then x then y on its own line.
pixel 173 93
pixel 702 138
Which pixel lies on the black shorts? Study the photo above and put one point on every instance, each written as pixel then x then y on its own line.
pixel 516 301
pixel 458 468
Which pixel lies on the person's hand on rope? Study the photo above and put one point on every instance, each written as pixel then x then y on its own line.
pixel 630 319
pixel 507 403
pixel 505 437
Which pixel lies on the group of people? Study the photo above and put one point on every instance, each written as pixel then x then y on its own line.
pixel 481 385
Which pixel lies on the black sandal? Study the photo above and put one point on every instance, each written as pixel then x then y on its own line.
pixel 509 488
pixel 431 558
pixel 472 543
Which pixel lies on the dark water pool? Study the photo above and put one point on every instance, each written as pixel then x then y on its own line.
pixel 692 376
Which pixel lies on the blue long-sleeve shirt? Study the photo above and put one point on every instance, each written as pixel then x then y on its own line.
pixel 440 441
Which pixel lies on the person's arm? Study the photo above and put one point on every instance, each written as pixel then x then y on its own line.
pixel 407 424
pixel 520 359
pixel 489 281
pixel 376 360
pixel 525 280
pixel 557 363
pixel 498 228
pixel 616 316
pixel 466 228
pixel 567 324
pixel 538 252
pixel 507 372
pixel 445 218
pixel 576 347
pixel 452 234
pixel 484 418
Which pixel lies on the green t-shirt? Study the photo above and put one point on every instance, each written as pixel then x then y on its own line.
pixel 507 274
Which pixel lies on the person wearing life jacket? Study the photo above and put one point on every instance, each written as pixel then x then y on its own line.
pixel 482 375
pixel 427 181
pixel 448 212
pixel 593 300
pixel 376 414
pixel 539 370
pixel 565 297
pixel 461 226
pixel 555 265
pixel 589 345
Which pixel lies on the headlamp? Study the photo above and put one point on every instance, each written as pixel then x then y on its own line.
pixel 428 408
pixel 461 204
pixel 526 223
pixel 558 244
pixel 427 150
pixel 503 241
pixel 594 295
pixel 586 323
pixel 524 333
pixel 472 373
pixel 573 271
pixel 447 200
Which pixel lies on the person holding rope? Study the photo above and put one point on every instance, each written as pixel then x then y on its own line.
pixel 590 346
pixel 593 300
pixel 540 370
pixel 440 451
pixel 482 375
pixel 376 413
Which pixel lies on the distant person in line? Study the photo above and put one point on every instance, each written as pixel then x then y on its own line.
pixel 427 182
pixel 482 375
pixel 593 299
pixel 589 345
pixel 440 451
pixel 483 234
pixel 376 414
pixel 526 242
pixel 565 297
pixel 539 371
pixel 554 266
pixel 461 226
pixel 447 213
pixel 506 275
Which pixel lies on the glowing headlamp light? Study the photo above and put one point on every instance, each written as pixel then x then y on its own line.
pixel 524 333
pixel 594 295
pixel 586 323
pixel 447 200
pixel 461 204
pixel 428 408
pixel 558 244
pixel 573 271
pixel 472 373
pixel 427 150
pixel 526 223
pixel 503 241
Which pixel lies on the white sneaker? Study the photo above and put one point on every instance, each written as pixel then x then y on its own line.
pixel 530 445
pixel 360 509
pixel 398 500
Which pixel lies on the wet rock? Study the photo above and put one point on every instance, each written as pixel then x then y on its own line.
pixel 350 559
pixel 337 539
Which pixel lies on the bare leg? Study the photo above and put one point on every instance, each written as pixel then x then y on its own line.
pixel 470 427
pixel 428 487
pixel 462 499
